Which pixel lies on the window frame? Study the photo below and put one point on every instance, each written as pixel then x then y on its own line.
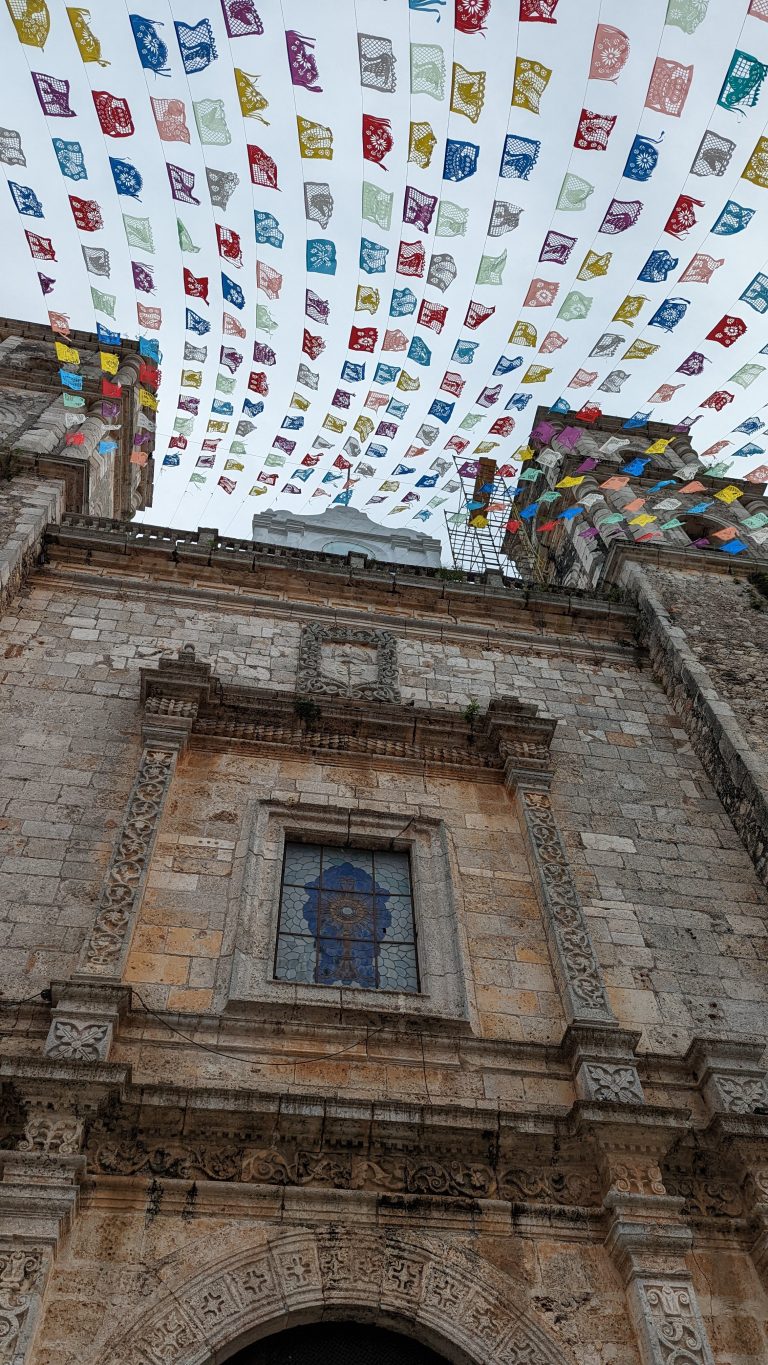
pixel 254 911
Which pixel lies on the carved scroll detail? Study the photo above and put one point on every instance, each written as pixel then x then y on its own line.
pixel 21 1274
pixel 672 1331
pixel 124 881
pixel 583 990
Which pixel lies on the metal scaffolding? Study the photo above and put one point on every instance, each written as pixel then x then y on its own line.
pixel 477 526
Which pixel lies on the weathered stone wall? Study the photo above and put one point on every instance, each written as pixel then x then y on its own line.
pixel 26 508
pixel 192 1159
pixel 671 897
pixel 725 620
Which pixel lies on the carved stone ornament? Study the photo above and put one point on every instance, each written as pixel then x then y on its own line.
pixel 669 1324
pixel 73 1040
pixel 52 1134
pixel 312 680
pixel 247 1160
pixel 741 1094
pixel 124 882
pixel 617 1084
pixel 437 1291
pixel 573 956
pixel 22 1272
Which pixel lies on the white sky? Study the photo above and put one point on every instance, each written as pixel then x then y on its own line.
pixel 717 29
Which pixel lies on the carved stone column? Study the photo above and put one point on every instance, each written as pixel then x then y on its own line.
pixel 600 1053
pixel 743 1141
pixel 89 1006
pixel 38 1199
pixel 647 1237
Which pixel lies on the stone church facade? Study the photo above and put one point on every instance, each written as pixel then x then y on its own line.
pixel 527 1127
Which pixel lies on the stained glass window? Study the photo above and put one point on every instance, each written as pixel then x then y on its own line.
pixel 346 919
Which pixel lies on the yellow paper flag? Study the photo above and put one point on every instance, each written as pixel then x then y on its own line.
pixel 67 354
pixel 729 494
pixel 147 399
pixel 110 362
pixel 643 520
pixel 658 447
pixel 570 481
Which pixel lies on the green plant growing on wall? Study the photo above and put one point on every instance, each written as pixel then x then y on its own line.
pixel 307 711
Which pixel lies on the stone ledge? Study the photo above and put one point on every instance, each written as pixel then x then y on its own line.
pixel 737 774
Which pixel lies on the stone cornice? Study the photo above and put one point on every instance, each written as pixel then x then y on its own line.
pixel 240 576
pixel 182 694
pixel 688 560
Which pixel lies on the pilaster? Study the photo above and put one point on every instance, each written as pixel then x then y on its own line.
pixel 649 1241
pixel 89 1005
pixel 38 1200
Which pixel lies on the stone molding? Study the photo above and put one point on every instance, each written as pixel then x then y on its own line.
pixel 426 1285
pixel 312 681
pixel 577 970
pixel 603 1064
pixel 38 1201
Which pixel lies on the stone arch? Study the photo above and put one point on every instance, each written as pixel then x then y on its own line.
pixel 440 1293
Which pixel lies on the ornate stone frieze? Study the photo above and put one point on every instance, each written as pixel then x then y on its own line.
pixel 378 681
pixel 22 1275
pixel 51 1133
pixel 239 1159
pixel 578 971
pixel 124 882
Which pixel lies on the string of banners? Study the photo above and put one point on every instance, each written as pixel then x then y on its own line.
pixel 374 398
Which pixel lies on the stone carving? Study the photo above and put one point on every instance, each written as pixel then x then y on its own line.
pixel 237 1159
pixel 422 1281
pixel 313 681
pixel 72 1041
pixel 673 1331
pixel 640 1178
pixel 125 876
pixel 293 735
pixel 171 706
pixel 742 1095
pixel 54 1134
pixel 619 1084
pixel 571 946
pixel 21 1271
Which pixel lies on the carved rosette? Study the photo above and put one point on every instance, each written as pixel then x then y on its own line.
pixel 22 1277
pixel 127 872
pixel 311 681
pixel 581 982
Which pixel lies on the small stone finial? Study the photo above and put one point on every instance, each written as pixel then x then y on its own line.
pixel 187 652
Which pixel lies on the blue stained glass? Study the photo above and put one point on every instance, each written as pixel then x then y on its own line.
pixel 346 918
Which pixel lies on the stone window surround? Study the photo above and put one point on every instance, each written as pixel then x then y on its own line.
pixel 255 906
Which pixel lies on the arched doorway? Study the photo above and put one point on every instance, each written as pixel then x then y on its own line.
pixel 337 1343
pixel 453 1304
